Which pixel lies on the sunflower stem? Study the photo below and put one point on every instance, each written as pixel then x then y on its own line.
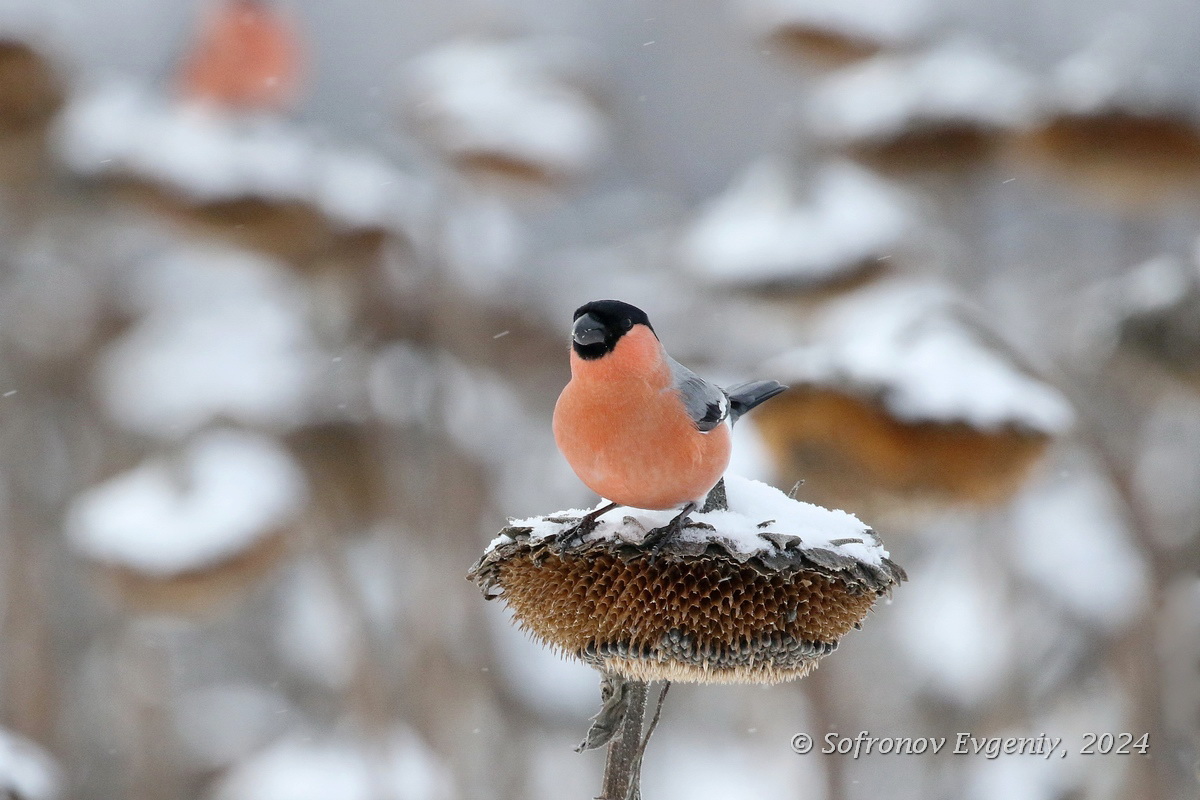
pixel 622 768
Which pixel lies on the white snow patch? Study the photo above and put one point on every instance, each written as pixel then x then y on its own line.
pixel 224 493
pixel 317 635
pixel 27 772
pixel 760 231
pixel 400 767
pixel 910 345
pixel 1119 70
pixel 954 627
pixel 750 504
pixel 956 83
pixel 879 22
pixel 1025 776
pixel 479 411
pixel 1154 285
pixel 121 129
pixel 707 766
pixel 483 244
pixel 549 776
pixel 504 99
pixel 225 334
pixel 219 725
pixel 1070 541
pixel 1102 703
pixel 320 632
pixel 475 406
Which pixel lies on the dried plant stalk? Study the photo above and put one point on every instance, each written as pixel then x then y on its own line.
pixel 702 608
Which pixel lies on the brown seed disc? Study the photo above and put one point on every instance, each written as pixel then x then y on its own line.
pixel 848 450
pixel 706 618
pixel 199 594
pixel 1117 160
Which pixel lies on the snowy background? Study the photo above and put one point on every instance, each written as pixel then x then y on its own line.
pixel 284 297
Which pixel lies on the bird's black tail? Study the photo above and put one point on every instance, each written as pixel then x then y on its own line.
pixel 746 396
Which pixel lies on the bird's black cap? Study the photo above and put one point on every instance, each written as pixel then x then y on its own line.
pixel 600 324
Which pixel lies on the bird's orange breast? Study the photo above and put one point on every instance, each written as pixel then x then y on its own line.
pixel 248 57
pixel 624 429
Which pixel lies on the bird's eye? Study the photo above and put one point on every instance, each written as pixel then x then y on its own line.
pixel 627 324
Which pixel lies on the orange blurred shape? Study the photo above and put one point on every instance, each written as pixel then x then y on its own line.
pixel 247 57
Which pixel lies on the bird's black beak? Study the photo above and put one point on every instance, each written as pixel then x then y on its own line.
pixel 588 331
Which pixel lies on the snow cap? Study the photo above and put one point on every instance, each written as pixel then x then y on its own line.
pixel 226 492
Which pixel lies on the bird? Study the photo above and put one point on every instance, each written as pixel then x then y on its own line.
pixel 639 428
pixel 247 56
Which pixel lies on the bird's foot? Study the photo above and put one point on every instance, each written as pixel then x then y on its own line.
pixel 657 538
pixel 574 535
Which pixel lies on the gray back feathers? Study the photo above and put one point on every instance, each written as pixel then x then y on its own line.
pixel 706 404
pixel 746 396
pixel 709 405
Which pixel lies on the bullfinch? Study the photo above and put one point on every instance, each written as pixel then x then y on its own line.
pixel 638 427
pixel 248 56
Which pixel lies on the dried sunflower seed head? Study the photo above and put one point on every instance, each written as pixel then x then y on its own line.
pixel 709 608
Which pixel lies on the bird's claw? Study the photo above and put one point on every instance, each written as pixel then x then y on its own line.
pixel 657 538
pixel 586 524
pixel 574 535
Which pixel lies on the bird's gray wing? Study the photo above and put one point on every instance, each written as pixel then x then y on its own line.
pixel 706 404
